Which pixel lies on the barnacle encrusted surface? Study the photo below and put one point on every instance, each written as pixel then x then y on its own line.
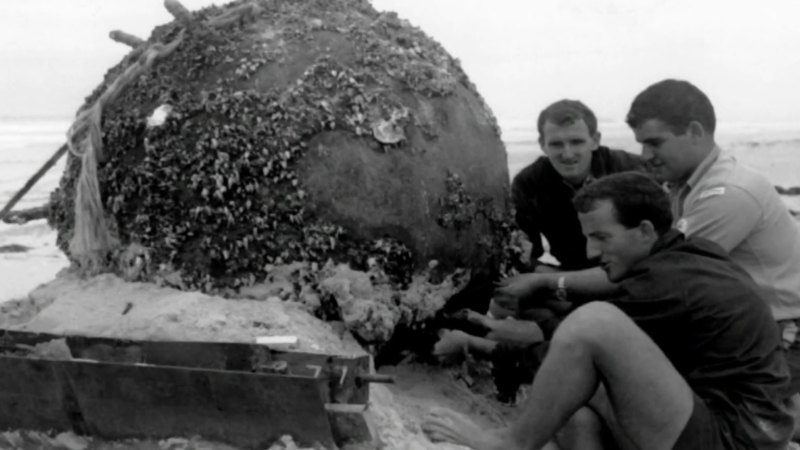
pixel 303 130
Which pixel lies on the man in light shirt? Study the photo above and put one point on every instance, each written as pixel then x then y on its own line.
pixel 717 198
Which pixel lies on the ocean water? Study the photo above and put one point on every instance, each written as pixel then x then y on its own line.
pixel 25 145
pixel 770 148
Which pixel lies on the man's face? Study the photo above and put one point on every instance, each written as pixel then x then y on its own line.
pixel 619 247
pixel 667 156
pixel 569 149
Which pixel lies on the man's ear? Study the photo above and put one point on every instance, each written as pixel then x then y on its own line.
pixel 596 138
pixel 696 129
pixel 648 231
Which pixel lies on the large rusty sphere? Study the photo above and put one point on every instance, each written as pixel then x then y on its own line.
pixel 297 130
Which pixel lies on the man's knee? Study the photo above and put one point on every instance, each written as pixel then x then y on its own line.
pixel 590 324
pixel 586 420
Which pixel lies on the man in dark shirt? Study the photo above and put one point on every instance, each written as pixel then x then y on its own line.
pixel 687 358
pixel 542 192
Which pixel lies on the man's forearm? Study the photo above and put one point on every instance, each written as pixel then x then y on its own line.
pixel 481 346
pixel 585 285
pixel 580 286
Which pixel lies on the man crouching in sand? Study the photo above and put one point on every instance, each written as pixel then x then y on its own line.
pixel 688 358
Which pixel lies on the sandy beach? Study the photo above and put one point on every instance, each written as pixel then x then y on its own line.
pixel 34 298
pixel 24 270
pixel 519 56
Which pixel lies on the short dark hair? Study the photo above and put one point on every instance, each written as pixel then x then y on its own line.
pixel 676 103
pixel 566 112
pixel 636 197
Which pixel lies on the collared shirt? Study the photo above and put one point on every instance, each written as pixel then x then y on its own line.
pixel 712 322
pixel 681 191
pixel 543 205
pixel 740 210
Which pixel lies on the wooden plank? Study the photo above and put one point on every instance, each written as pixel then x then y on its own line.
pixel 234 357
pixel 31 395
pixel 245 409
pixel 341 371
pixel 119 401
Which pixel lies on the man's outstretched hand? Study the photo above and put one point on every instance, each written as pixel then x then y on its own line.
pixel 452 346
pixel 509 291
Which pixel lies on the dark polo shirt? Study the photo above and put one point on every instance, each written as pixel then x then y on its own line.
pixel 713 323
pixel 543 204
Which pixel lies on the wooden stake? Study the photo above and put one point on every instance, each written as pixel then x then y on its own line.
pixel 126 38
pixel 178 11
pixel 33 180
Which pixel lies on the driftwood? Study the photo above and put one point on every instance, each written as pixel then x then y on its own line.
pixel 32 181
pixel 14 248
pixel 22 216
pixel 794 190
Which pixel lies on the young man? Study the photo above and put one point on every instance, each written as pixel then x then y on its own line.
pixel 688 358
pixel 542 192
pixel 715 197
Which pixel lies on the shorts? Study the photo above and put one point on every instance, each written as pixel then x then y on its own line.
pixel 705 430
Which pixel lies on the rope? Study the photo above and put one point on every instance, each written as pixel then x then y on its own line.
pixel 92 240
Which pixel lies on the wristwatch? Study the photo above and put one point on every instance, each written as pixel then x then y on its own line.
pixel 561 288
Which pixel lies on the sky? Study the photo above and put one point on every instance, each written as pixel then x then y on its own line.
pixel 521 54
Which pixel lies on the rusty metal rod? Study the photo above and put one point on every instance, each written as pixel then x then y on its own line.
pixel 375 378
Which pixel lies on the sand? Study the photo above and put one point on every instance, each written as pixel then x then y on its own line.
pixel 39 263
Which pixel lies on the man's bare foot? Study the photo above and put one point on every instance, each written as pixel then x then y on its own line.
pixel 444 425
